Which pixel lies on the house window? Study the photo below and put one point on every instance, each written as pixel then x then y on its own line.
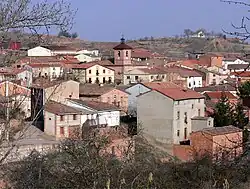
pixel 189 84
pixel 97 80
pixel 104 71
pixel 214 82
pixel 74 117
pixel 61 118
pixel 119 53
pixel 61 130
pixel 185 133
pixel 152 77
pixel 194 83
pixel 178 102
pixel 178 115
pixel 192 106
pixel 178 133
pixel 126 53
pixel 97 72
pixel 90 80
pixel 128 77
pixel 185 118
pixel 209 123
pixel 89 71
pixel 199 112
pixel 199 100
pixel 50 118
pixel 54 68
pixel 162 76
pixel 110 80
pixel 213 75
pixel 103 80
pixel 136 77
pixel 109 100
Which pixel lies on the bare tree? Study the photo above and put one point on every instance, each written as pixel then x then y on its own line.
pixel 240 30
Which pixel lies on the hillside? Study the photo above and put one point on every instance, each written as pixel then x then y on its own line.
pixel 177 47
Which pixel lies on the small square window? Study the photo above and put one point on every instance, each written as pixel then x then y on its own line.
pixel 74 117
pixel 50 118
pixel 128 77
pixel 152 77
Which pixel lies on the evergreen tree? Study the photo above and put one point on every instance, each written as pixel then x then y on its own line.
pixel 223 115
pixel 239 117
pixel 244 90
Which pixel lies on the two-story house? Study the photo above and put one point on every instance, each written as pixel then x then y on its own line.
pixel 140 88
pixel 47 70
pixel 170 115
pixel 87 57
pixel 104 93
pixel 92 73
pixel 13 74
pixel 148 74
pixel 44 90
pixel 186 77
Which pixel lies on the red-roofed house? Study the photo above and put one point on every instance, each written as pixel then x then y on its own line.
pixel 169 115
pixel 220 143
pixel 215 96
pixel 190 78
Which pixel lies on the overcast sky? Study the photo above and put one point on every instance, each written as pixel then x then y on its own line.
pixel 106 20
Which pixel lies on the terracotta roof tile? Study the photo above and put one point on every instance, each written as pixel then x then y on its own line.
pixel 152 70
pixel 241 74
pixel 219 94
pixel 180 94
pixel 43 83
pixel 184 72
pixel 10 71
pixel 220 130
pixel 60 109
pixel 122 46
pixel 156 85
pixel 221 87
pixel 46 65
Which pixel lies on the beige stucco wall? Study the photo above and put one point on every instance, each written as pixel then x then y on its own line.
pixel 103 73
pixel 59 93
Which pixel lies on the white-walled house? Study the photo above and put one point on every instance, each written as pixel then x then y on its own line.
pixel 52 50
pixel 102 113
pixel 232 65
pixel 87 57
pixel 14 74
pixel 50 70
pixel 85 51
pixel 170 115
pixel 140 88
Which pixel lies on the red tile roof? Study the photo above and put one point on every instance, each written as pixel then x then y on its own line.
pixel 122 46
pixel 46 65
pixel 10 71
pixel 219 94
pixel 184 72
pixel 141 53
pixel 152 70
pixel 179 93
pixel 60 109
pixel 156 85
pixel 190 63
